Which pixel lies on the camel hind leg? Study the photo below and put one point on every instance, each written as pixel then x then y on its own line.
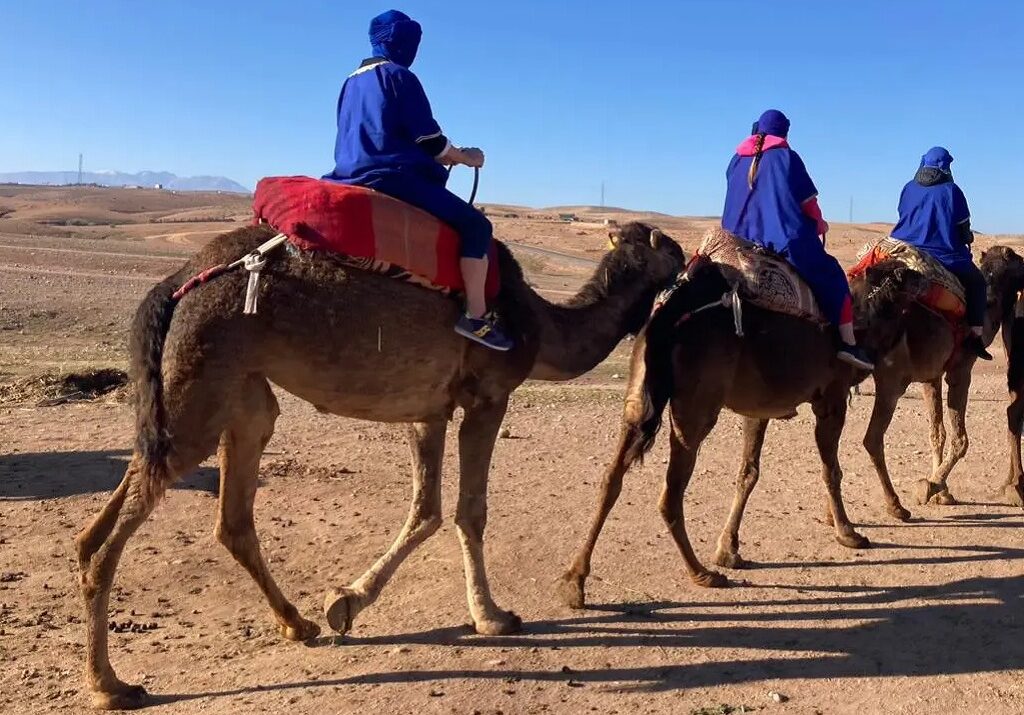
pixel 728 553
pixel 691 423
pixel 427 441
pixel 931 393
pixel 100 546
pixel 241 446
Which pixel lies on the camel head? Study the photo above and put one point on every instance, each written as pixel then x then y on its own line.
pixel 642 256
pixel 1003 269
pixel 882 301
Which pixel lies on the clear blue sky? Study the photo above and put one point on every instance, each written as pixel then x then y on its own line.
pixel 651 97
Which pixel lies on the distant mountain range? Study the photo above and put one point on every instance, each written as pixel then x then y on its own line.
pixel 147 179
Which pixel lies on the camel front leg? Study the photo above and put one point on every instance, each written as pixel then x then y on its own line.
pixel 1013 490
pixel 476 445
pixel 571 585
pixel 887 395
pixel 830 414
pixel 934 489
pixel 427 442
pixel 728 553
pixel 931 393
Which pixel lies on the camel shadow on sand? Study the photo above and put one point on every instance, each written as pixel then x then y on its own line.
pixel 964 627
pixel 51 475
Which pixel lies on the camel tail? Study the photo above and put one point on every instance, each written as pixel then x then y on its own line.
pixel 148 333
pixel 663 335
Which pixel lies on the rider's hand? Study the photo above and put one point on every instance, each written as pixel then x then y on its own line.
pixel 472 157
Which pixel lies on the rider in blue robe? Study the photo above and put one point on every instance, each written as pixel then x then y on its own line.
pixel 771 201
pixel 935 218
pixel 388 140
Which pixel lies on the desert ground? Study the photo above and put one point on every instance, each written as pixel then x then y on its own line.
pixel 930 619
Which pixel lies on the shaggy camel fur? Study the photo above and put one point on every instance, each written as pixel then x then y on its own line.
pixel 356 344
pixel 922 356
pixel 696 361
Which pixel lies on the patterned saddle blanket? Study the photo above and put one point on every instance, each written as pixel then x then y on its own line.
pixel 759 276
pixel 366 229
pixel 945 294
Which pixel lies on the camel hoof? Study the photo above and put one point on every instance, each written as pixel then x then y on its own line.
pixel 897 512
pixel 125 697
pixel 301 632
pixel 1012 494
pixel 944 498
pixel 925 490
pixel 711 579
pixel 731 560
pixel 507 624
pixel 570 590
pixel 853 540
pixel 340 608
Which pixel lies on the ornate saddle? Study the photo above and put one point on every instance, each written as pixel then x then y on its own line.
pixel 945 294
pixel 760 276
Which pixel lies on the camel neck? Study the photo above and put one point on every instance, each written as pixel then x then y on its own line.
pixel 576 336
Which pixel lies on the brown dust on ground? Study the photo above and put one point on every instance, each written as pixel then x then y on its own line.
pixel 928 620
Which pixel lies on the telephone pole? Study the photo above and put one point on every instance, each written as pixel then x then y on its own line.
pixel 851 209
pixel 79 169
pixel 602 194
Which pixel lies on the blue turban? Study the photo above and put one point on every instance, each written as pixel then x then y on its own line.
pixel 395 36
pixel 937 158
pixel 773 122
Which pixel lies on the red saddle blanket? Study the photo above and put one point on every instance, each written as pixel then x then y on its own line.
pixel 379 231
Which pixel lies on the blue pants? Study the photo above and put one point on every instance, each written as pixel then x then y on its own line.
pixel 822 272
pixel 474 229
pixel 975 290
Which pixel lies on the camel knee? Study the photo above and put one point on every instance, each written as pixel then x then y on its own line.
pixel 670 510
pixel 425 527
pixel 234 535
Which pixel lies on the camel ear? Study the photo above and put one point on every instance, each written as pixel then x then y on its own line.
pixel 656 236
pixel 614 239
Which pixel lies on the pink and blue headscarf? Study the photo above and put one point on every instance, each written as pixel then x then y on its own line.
pixel 395 37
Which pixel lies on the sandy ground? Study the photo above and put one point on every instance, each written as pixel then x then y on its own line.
pixel 928 620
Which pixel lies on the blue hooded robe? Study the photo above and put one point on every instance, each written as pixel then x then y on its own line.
pixel 771 215
pixel 932 212
pixel 388 139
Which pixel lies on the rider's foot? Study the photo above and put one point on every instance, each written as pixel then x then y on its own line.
pixel 485 331
pixel 975 346
pixel 856 356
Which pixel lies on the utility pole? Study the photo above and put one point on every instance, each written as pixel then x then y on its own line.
pixel 79 169
pixel 602 194
pixel 851 209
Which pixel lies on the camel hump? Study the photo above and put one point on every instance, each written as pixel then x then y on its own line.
pixel 761 276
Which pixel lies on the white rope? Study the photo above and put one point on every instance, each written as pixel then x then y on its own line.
pixel 728 300
pixel 254 263
pixel 737 311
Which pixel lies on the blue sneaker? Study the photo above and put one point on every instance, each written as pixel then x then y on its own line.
pixel 484 331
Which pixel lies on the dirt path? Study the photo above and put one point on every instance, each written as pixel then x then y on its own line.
pixel 931 619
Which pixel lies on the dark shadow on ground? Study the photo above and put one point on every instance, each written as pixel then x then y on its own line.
pixel 970 626
pixel 50 475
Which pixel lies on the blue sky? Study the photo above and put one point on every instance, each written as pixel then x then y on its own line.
pixel 650 97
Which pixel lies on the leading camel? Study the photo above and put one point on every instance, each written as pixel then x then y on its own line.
pixel 923 355
pixel 352 343
pixel 694 361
